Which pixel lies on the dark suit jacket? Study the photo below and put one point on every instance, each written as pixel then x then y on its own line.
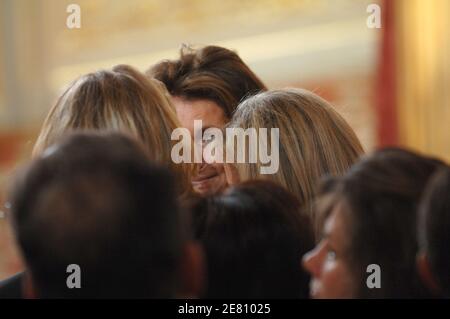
pixel 11 288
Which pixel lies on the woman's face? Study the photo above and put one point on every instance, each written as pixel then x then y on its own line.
pixel 210 178
pixel 331 276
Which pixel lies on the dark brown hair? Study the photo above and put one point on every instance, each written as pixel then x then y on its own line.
pixel 211 73
pixel 254 236
pixel 380 196
pixel 97 201
pixel 434 228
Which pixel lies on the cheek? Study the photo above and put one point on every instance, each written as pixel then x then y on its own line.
pixel 337 281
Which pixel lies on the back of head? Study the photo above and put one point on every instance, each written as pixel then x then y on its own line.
pixel 211 73
pixel 122 100
pixel 97 202
pixel 381 194
pixel 314 140
pixel 254 236
pixel 434 226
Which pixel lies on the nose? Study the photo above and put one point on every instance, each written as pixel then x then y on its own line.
pixel 312 260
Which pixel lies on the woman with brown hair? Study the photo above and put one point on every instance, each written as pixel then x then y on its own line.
pixel 207 84
pixel 314 140
pixel 123 100
pixel 369 243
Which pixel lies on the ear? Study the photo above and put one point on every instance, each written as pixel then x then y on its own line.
pixel 426 274
pixel 192 271
pixel 231 174
pixel 28 289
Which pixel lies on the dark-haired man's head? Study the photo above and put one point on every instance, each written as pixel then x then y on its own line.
pixel 434 234
pixel 207 84
pixel 254 236
pixel 93 212
pixel 369 243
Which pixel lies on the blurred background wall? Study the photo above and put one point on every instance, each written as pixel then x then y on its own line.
pixel 391 83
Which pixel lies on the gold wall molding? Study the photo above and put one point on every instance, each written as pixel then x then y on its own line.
pixel 423 75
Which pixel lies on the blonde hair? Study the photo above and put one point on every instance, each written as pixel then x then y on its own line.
pixel 121 100
pixel 314 140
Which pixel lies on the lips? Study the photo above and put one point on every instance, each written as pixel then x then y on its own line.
pixel 209 180
pixel 205 185
pixel 201 178
pixel 202 183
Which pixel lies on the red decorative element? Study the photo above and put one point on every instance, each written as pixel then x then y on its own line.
pixel 385 95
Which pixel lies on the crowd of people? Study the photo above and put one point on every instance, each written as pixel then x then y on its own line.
pixel 102 192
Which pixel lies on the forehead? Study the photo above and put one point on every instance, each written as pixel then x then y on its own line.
pixel 208 111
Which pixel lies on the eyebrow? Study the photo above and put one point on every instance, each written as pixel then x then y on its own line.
pixel 330 243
